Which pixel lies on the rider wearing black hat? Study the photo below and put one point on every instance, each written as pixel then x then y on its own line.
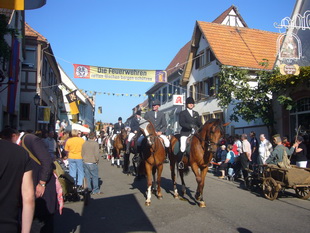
pixel 189 120
pixel 158 119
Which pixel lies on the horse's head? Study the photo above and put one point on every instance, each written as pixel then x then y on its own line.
pixel 148 131
pixel 123 134
pixel 212 131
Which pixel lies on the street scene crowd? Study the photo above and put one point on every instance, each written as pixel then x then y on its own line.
pixel 32 191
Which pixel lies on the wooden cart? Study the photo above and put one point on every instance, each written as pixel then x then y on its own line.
pixel 275 179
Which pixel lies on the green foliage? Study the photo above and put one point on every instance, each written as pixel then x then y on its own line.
pixel 4 47
pixel 251 97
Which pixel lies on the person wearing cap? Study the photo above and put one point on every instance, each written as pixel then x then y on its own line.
pixel 277 154
pixel 158 119
pixel 189 120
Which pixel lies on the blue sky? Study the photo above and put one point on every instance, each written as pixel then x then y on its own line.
pixel 136 34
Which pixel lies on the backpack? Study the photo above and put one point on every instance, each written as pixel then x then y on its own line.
pixel 286 163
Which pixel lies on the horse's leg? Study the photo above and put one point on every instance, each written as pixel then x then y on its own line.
pixel 148 169
pixel 182 181
pixel 113 156
pixel 195 169
pixel 159 172
pixel 203 174
pixel 173 178
pixel 117 158
pixel 154 188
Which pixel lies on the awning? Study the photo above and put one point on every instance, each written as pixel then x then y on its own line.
pixel 79 127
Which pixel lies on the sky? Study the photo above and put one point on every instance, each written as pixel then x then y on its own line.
pixel 136 34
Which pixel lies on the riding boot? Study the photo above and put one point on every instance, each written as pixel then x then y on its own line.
pixel 167 154
pixel 127 147
pixel 179 159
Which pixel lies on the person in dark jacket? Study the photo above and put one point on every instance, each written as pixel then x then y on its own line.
pixel 301 152
pixel 190 121
pixel 158 119
pixel 134 129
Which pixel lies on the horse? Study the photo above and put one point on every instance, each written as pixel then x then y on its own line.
pixel 203 146
pixel 118 146
pixel 153 155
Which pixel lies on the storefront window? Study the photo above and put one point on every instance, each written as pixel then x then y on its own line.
pixel 300 118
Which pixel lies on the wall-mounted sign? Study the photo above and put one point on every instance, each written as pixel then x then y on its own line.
pixel 178 100
pixel 289 69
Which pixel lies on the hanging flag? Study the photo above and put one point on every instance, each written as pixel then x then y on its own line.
pixel 72 99
pixel 22 4
pixel 44 113
pixel 13 77
pixel 105 73
pixel 99 110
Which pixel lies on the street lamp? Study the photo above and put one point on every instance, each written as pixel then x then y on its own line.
pixel 36 100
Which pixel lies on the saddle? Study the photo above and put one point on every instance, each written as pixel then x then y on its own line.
pixel 177 145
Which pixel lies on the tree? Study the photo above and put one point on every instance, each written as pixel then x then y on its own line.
pixel 252 97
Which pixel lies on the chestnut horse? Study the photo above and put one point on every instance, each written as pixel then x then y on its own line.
pixel 118 146
pixel 202 149
pixel 153 155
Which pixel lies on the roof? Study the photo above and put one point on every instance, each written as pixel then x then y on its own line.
pixel 222 17
pixel 29 31
pixel 179 60
pixel 239 46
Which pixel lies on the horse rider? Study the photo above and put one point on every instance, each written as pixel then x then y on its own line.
pixel 159 121
pixel 135 128
pixel 117 128
pixel 190 121
pixel 110 129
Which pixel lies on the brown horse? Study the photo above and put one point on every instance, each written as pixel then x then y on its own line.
pixel 118 146
pixel 153 155
pixel 202 149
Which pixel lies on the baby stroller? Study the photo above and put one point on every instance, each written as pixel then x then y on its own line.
pixel 71 193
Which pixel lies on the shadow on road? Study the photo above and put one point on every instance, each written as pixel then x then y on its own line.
pixel 115 214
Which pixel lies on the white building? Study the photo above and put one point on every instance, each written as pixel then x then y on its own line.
pixel 227 42
pixel 86 104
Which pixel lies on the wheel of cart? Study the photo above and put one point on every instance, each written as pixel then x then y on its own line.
pixel 254 178
pixel 271 188
pixel 303 192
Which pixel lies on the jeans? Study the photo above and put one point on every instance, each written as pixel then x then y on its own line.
pixel 91 175
pixel 76 168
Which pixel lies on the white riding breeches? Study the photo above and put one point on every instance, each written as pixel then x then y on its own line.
pixel 114 136
pixel 166 140
pixel 130 136
pixel 183 143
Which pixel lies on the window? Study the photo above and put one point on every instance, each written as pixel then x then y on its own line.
pixel 45 68
pixel 51 77
pixel 210 56
pixel 30 59
pixel 164 94
pixel 176 87
pixel 170 92
pixel 24 111
pixel 201 60
pixel 191 91
pixel 207 88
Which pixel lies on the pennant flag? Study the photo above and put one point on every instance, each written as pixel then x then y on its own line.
pixel 72 99
pixel 105 73
pixel 99 110
pixel 22 4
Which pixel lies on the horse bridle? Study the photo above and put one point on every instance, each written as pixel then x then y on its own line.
pixel 207 142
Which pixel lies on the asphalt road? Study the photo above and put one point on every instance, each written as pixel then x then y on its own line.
pixel 230 208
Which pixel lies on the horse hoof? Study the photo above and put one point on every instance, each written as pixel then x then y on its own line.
pixel 202 204
pixel 147 203
pixel 160 197
pixel 176 197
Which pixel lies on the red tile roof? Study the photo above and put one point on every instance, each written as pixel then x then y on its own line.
pixel 29 31
pixel 179 60
pixel 239 46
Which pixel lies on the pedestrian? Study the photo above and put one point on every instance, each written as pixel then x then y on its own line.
pixel 254 147
pixel 245 156
pixel 301 152
pixel 44 181
pixel 90 154
pixel 16 185
pixel 74 148
pixel 51 144
pixel 265 149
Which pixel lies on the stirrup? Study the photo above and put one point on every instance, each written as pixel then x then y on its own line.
pixel 181 165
